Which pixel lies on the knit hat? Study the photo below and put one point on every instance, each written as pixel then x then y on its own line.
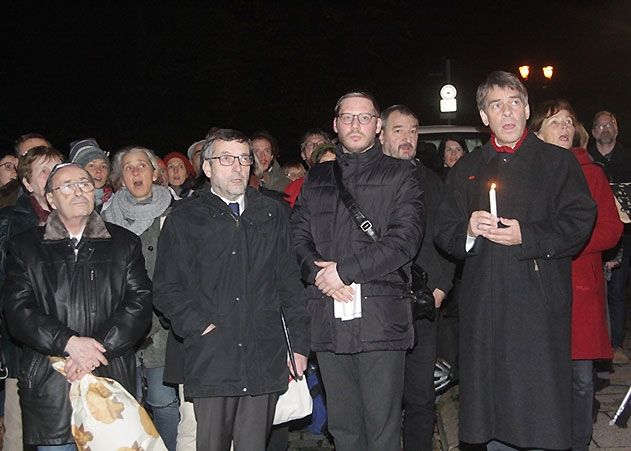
pixel 86 150
pixel 191 148
pixel 181 156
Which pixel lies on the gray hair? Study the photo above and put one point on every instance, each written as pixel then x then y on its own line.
pixel 117 161
pixel 223 134
pixel 314 132
pixel 400 108
pixel 604 113
pixel 499 79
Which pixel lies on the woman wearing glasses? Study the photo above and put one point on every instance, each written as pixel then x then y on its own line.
pixel 555 123
pixel 9 184
pixel 141 207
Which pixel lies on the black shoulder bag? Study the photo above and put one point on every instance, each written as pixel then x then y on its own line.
pixel 423 305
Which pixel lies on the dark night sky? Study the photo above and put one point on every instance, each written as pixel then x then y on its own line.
pixel 161 74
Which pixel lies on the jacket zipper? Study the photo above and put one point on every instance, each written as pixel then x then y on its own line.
pixel 92 291
pixel 33 370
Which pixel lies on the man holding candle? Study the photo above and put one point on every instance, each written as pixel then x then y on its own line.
pixel 515 304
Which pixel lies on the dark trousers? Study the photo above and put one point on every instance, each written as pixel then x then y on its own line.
pixel 616 294
pixel 582 399
pixel 278 438
pixel 246 420
pixel 364 395
pixel 419 397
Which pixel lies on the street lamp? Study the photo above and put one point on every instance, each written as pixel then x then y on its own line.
pixel 524 71
pixel 548 71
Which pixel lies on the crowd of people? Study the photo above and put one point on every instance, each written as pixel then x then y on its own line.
pixel 171 274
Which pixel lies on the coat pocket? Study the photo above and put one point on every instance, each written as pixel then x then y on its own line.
pixel 386 318
pixel 33 369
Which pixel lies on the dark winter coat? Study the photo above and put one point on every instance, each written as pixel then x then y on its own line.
pixel 440 270
pixel 389 193
pixel 49 297
pixel 515 301
pixel 235 274
pixel 590 335
pixel 13 221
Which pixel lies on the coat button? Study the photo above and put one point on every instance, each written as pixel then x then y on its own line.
pixel 237 298
pixel 233 252
pixel 150 248
pixel 245 389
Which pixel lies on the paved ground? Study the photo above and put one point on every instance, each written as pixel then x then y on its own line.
pixel 605 437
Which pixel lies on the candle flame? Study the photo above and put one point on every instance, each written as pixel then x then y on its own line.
pixel 492 185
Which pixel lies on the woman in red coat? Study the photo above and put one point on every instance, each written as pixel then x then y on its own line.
pixel 555 123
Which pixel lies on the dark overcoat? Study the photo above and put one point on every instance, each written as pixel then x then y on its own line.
pixel 515 301
pixel 236 274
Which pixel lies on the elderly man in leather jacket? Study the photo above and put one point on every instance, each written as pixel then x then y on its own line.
pixel 76 287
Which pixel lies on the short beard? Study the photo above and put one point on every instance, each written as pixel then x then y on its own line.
pixel 608 139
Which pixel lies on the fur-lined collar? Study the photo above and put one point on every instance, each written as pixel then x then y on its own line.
pixel 94 228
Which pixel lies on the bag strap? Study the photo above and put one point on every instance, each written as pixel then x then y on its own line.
pixel 360 219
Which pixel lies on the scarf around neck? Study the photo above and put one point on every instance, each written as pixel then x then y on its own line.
pixel 507 149
pixel 137 216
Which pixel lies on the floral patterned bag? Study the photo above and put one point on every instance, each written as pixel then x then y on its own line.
pixel 106 417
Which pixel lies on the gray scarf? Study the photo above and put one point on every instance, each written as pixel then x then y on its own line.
pixel 137 216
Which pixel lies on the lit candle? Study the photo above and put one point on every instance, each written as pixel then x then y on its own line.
pixel 493 200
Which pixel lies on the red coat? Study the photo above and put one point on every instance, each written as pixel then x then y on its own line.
pixel 590 337
pixel 293 190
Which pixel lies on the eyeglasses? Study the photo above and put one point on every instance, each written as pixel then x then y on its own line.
pixel 8 166
pixel 228 160
pixel 69 188
pixel 606 126
pixel 363 118
pixel 313 145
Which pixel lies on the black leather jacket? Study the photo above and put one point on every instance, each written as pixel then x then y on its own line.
pixel 49 296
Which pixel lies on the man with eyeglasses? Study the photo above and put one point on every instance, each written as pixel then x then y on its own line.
pixel 616 161
pixel 361 321
pixel 225 268
pixel 75 288
pixel 310 140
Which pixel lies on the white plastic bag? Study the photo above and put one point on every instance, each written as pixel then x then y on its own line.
pixel 295 403
pixel 106 417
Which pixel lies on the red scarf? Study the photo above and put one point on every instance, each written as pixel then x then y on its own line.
pixel 508 149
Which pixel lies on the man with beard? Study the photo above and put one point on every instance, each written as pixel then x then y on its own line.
pixel 225 268
pixel 518 238
pixel 361 319
pixel 616 161
pixel 399 138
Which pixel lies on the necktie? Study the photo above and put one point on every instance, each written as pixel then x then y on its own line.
pixel 75 242
pixel 234 207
